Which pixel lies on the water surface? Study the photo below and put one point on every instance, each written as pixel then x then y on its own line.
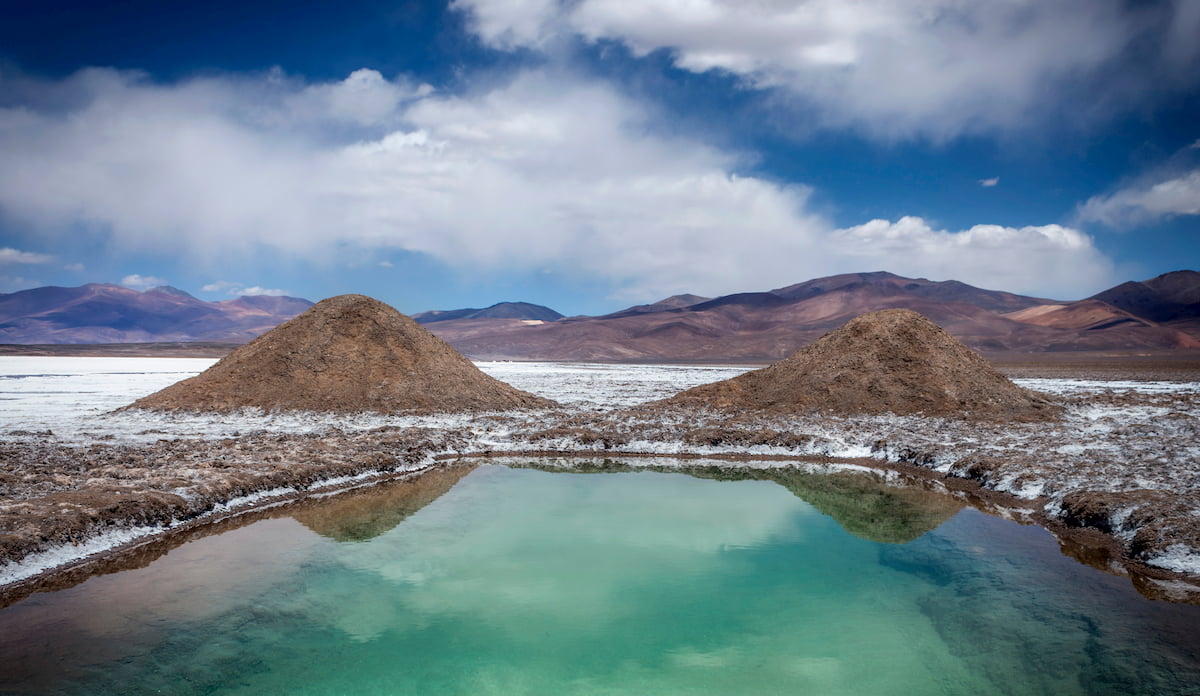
pixel 521 581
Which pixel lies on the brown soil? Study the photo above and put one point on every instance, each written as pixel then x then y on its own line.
pixel 1173 365
pixel 52 494
pixel 891 361
pixel 345 354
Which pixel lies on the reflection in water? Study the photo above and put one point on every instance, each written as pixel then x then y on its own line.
pixel 354 515
pixel 866 504
pixel 520 581
pixel 365 514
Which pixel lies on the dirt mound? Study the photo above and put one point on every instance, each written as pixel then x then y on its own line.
pixel 893 361
pixel 347 353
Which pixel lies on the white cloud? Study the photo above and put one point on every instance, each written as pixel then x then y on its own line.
pixel 364 98
pixel 895 67
pixel 1147 201
pixel 10 255
pixel 989 183
pixel 1047 260
pixel 256 290
pixel 73 267
pixel 238 289
pixel 540 173
pixel 140 282
pixel 220 286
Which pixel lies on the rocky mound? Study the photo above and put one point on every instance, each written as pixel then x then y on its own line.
pixel 893 361
pixel 347 353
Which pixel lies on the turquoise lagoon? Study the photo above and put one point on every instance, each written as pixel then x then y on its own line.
pixel 518 580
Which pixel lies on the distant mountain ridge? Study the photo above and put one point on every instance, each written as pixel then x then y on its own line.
pixel 1172 299
pixel 767 326
pixel 104 313
pixel 500 310
pixel 1158 314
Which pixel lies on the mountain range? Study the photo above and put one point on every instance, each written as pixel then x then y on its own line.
pixel 103 313
pixel 1162 313
pixel 766 326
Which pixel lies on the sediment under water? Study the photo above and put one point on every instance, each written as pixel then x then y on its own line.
pixel 523 581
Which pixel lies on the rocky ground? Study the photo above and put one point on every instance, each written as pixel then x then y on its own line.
pixel 1122 465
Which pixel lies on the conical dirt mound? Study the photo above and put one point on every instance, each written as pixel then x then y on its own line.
pixel 892 361
pixel 346 353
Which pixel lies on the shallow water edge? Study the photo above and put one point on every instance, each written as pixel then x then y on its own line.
pixel 126 548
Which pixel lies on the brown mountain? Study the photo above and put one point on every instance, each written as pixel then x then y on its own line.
pixel 1172 299
pixel 672 302
pixel 348 353
pixel 766 326
pixel 1158 314
pixel 890 361
pixel 102 313
pixel 1090 315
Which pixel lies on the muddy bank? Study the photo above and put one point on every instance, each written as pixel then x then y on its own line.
pixel 55 496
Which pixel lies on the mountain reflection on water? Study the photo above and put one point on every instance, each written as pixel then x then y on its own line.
pixel 365 514
pixel 868 505
pixel 521 578
pixel 865 504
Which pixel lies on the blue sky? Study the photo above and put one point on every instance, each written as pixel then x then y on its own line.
pixel 592 154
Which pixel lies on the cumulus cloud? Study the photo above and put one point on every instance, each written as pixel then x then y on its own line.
pixel 1160 197
pixel 1049 259
pixel 895 67
pixel 10 255
pixel 989 183
pixel 219 286
pixel 538 173
pixel 239 289
pixel 255 290
pixel 141 282
pixel 15 283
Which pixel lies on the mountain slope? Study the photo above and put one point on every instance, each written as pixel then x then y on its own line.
pixel 1169 297
pixel 501 310
pixel 102 313
pixel 672 302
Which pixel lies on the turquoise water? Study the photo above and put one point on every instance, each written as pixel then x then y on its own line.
pixel 520 581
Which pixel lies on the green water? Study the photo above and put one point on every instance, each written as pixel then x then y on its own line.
pixel 520 581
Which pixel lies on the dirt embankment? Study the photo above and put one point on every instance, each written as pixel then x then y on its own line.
pixel 892 361
pixel 345 354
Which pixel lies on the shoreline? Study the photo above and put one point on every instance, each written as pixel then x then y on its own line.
pixel 1087 545
pixel 1117 479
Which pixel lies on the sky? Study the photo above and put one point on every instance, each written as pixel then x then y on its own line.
pixel 588 155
